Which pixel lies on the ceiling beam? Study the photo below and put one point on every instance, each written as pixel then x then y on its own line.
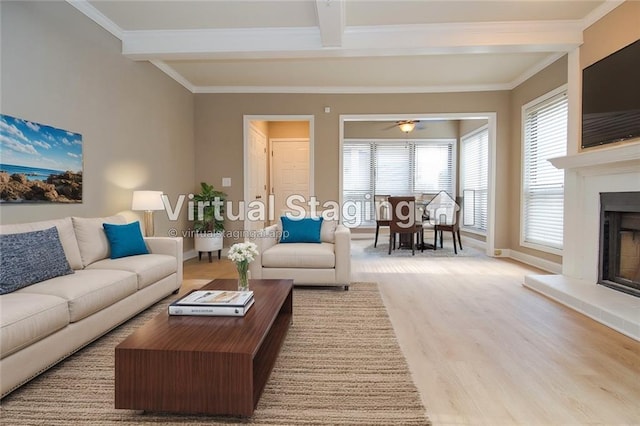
pixel 331 21
pixel 282 43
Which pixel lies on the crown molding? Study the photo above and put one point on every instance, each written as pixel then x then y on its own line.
pixel 167 69
pixel 96 16
pixel 535 69
pixel 599 12
pixel 350 89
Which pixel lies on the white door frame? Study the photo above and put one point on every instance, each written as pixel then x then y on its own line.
pixel 491 117
pixel 253 129
pixel 247 119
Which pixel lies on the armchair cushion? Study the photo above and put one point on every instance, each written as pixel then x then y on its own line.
pixel 300 255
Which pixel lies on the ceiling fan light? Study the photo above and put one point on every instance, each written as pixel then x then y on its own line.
pixel 407 126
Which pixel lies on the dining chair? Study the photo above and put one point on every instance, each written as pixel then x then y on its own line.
pixel 382 213
pixel 452 224
pixel 427 224
pixel 403 222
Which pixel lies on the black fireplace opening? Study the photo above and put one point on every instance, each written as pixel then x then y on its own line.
pixel 619 266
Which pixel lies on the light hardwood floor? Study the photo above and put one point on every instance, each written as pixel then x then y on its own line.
pixel 484 350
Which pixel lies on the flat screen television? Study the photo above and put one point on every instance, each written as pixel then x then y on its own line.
pixel 611 98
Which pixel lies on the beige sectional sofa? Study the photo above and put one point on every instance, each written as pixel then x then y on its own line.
pixel 45 322
pixel 325 263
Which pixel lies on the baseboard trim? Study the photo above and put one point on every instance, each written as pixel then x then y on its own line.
pixel 545 265
pixel 472 242
pixel 190 254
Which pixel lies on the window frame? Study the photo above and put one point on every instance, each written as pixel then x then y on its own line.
pixel 371 142
pixel 484 128
pixel 524 111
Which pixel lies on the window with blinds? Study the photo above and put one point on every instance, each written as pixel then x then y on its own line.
pixel 474 180
pixel 434 171
pixel 393 167
pixel 357 180
pixel 545 136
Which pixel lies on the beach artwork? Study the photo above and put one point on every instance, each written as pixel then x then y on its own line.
pixel 39 163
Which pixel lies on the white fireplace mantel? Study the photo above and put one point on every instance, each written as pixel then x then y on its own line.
pixel 615 156
pixel 588 174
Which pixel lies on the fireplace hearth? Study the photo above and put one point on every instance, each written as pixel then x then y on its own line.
pixel 619 257
pixel 588 174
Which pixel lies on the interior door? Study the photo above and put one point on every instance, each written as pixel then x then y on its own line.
pixel 257 172
pixel 289 171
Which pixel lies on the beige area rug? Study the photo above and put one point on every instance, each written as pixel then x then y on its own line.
pixel 340 364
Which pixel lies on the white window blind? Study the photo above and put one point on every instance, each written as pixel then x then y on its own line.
pixel 474 172
pixel 434 170
pixel 357 176
pixel 394 167
pixel 545 136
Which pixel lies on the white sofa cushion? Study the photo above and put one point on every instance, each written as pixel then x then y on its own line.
pixel 149 268
pixel 88 291
pixel 65 232
pixel 92 240
pixel 299 255
pixel 27 318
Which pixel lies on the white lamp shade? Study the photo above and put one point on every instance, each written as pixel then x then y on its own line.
pixel 147 200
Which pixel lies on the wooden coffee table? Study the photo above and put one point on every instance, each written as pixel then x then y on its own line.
pixel 205 365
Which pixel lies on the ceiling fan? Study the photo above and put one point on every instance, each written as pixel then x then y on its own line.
pixel 405 126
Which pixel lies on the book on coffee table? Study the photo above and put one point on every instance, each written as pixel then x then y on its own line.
pixel 213 303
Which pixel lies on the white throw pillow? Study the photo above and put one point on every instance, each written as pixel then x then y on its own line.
pixel 328 231
pixel 92 240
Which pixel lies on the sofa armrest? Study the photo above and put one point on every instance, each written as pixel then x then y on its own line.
pixel 171 246
pixel 264 239
pixel 343 255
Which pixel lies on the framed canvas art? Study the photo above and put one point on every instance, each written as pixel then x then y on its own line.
pixel 39 163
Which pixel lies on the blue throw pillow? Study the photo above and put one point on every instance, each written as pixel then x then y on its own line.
pixel 306 230
pixel 31 257
pixel 125 240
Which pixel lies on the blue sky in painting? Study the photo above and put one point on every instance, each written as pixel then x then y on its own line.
pixel 25 143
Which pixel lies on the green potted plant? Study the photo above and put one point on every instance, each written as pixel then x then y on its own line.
pixel 208 226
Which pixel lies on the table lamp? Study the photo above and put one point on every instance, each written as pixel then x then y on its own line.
pixel 148 201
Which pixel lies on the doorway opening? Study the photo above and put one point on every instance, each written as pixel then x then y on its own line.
pixel 369 143
pixel 278 163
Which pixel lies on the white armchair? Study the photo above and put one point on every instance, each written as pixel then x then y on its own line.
pixel 324 263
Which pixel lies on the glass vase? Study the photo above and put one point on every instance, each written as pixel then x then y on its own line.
pixel 243 277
